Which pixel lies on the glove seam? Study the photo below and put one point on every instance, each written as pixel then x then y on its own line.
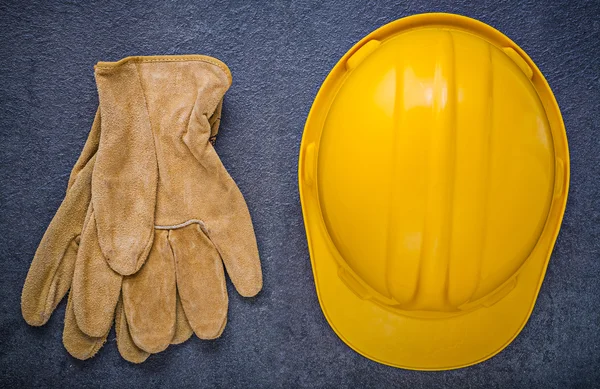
pixel 181 225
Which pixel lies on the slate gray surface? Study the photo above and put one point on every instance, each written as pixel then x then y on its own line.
pixel 279 53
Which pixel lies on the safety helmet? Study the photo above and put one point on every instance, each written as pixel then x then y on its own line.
pixel 433 177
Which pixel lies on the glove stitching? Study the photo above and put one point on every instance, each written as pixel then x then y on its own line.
pixel 181 225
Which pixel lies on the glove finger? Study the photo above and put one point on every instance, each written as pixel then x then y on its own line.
pixel 150 298
pixel 89 150
pixel 46 284
pixel 77 343
pixel 200 281
pixel 183 331
pixel 125 178
pixel 51 271
pixel 96 287
pixel 125 344
pixel 232 233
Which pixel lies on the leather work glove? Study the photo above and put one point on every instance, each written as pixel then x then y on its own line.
pixel 51 271
pixel 162 218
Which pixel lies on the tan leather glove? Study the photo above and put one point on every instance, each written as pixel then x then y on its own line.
pixel 160 196
pixel 51 271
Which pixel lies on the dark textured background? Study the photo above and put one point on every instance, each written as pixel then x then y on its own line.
pixel 279 53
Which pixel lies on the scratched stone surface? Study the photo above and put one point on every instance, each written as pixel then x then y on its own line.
pixel 279 53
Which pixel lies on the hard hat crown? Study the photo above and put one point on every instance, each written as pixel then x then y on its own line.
pixel 435 169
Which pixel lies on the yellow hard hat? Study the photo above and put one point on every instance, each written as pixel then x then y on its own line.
pixel 433 176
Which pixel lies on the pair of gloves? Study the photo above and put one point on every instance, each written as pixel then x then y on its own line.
pixel 149 218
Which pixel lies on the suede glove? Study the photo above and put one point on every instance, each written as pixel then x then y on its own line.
pixel 160 197
pixel 51 272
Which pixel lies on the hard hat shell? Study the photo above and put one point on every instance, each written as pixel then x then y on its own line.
pixel 433 177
